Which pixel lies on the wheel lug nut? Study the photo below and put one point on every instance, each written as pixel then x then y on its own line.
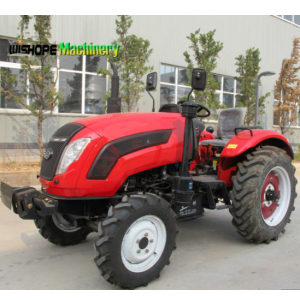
pixel 262 205
pixel 138 251
pixel 147 250
pixel 146 234
pixel 138 241
pixel 151 241
pixel 271 179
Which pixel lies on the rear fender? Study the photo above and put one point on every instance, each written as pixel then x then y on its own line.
pixel 244 143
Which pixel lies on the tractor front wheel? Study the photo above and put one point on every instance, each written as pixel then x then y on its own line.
pixel 59 229
pixel 263 194
pixel 136 240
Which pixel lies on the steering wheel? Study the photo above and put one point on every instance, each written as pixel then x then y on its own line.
pixel 200 107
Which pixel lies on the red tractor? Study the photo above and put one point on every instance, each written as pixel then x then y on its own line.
pixel 127 177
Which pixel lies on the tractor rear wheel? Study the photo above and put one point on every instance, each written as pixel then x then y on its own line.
pixel 263 194
pixel 136 240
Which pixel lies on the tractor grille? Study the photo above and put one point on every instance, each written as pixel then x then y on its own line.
pixel 56 145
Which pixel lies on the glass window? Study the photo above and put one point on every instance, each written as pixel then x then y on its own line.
pixel 178 86
pixel 50 60
pixel 276 119
pixel 94 92
pixel 238 101
pixel 218 79
pixel 297 19
pixel 94 62
pixel 183 77
pixel 227 92
pixel 5 100
pixel 228 84
pixel 69 62
pixel 70 87
pixel 37 90
pixel 167 74
pixel 167 94
pixel 294 117
pixel 4 51
pixel 228 100
pixel 73 70
pixel 238 86
pixel 182 93
pixel 289 17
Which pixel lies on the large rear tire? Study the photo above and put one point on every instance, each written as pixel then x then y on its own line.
pixel 136 240
pixel 256 217
pixel 59 230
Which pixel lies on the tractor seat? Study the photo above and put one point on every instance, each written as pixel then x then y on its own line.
pixel 229 119
pixel 215 143
pixel 222 143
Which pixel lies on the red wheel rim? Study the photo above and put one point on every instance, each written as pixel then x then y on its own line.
pixel 269 207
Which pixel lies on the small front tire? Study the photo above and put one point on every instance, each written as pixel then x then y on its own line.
pixel 136 240
pixel 58 230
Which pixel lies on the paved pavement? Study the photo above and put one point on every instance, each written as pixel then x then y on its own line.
pixel 210 255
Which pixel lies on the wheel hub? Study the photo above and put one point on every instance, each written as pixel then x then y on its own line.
pixel 143 243
pixel 275 196
pixel 270 187
pixel 271 195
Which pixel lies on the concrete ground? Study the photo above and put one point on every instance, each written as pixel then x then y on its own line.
pixel 210 255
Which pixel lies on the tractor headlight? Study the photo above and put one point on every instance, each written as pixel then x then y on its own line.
pixel 71 153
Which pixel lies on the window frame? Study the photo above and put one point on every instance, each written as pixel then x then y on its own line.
pixel 176 85
pixel 18 66
pixel 281 17
pixel 220 92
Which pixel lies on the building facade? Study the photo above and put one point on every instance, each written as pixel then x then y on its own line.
pixel 83 90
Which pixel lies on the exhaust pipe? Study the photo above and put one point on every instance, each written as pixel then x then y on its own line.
pixel 114 102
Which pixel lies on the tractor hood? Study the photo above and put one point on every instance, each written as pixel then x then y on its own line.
pixel 119 125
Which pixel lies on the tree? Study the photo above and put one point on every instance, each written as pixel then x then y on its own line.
pixel 134 53
pixel 38 68
pixel 287 90
pixel 248 68
pixel 206 51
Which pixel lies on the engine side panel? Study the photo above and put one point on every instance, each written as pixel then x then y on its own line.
pixel 74 182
